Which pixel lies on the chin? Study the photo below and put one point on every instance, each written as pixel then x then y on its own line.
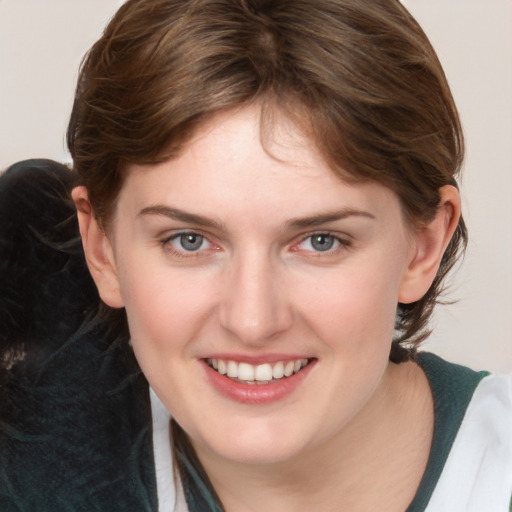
pixel 256 445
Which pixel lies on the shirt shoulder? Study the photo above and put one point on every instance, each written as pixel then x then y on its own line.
pixel 477 474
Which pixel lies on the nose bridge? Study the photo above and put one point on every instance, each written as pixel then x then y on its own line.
pixel 254 306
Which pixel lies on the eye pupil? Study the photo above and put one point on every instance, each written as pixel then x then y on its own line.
pixel 322 242
pixel 191 242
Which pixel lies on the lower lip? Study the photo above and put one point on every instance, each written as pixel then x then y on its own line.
pixel 256 394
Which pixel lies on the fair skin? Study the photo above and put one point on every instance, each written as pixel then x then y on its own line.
pixel 229 253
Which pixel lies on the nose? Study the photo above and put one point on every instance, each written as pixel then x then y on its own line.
pixel 254 306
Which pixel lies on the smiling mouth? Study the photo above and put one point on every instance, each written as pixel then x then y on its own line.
pixel 265 373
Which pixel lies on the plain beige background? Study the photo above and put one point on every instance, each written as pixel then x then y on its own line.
pixel 41 44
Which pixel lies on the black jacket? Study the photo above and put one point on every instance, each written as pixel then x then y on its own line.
pixel 75 417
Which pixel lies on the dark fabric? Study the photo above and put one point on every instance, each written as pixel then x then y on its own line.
pixel 197 488
pixel 452 388
pixel 75 417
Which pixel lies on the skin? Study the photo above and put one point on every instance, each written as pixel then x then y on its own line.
pixel 257 288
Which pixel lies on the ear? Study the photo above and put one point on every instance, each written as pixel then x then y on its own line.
pixel 429 243
pixel 98 250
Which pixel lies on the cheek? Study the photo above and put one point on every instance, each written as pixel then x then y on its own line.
pixel 169 310
pixel 356 307
pixel 161 308
pixel 164 316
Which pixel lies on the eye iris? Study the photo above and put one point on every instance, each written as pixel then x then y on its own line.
pixel 322 242
pixel 191 242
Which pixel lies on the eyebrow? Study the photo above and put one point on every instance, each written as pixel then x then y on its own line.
pixel 324 218
pixel 297 223
pixel 182 215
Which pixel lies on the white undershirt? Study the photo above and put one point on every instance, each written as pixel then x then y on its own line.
pixel 168 499
pixel 477 476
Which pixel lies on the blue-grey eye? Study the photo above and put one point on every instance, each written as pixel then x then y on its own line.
pixel 322 242
pixel 191 241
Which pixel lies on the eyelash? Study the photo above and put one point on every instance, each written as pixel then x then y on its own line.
pixel 342 243
pixel 166 243
pixel 168 247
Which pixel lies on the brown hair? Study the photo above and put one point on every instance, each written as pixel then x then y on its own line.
pixel 361 74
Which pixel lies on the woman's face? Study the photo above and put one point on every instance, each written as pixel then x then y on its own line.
pixel 263 264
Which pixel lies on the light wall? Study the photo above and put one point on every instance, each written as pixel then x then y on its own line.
pixel 473 39
pixel 42 41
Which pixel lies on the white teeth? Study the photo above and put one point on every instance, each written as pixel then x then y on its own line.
pixel 278 370
pixel 232 369
pixel 222 369
pixel 263 372
pixel 246 371
pixel 257 374
pixel 288 369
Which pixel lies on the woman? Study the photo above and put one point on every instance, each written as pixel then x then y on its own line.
pixel 268 207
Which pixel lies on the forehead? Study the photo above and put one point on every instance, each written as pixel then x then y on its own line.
pixel 281 134
pixel 241 163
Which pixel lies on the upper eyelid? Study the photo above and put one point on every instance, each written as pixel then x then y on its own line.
pixel 339 236
pixel 343 242
pixel 168 245
pixel 169 235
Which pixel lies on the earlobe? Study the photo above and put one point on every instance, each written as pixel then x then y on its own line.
pixel 430 243
pixel 98 250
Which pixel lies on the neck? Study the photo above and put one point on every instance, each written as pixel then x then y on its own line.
pixel 375 462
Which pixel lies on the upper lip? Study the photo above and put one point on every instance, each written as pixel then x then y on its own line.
pixel 256 359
